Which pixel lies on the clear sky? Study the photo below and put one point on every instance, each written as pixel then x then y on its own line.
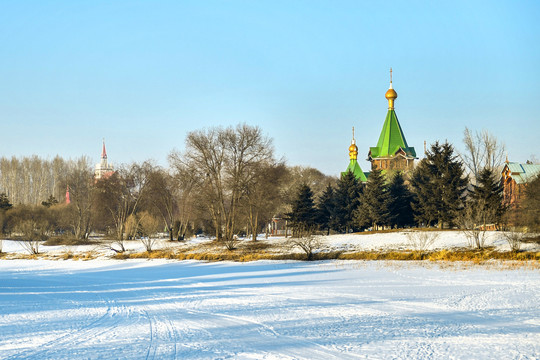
pixel 141 74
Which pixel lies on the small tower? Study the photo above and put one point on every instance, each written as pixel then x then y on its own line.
pixel 103 169
pixel 354 167
pixel 392 151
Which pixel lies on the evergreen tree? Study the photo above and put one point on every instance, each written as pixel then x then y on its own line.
pixel 487 198
pixel 4 202
pixel 4 206
pixel 399 202
pixel 326 209
pixel 50 202
pixel 347 198
pixel 439 185
pixel 303 215
pixel 373 207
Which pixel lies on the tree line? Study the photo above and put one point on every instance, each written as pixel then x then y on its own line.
pixel 437 193
pixel 227 182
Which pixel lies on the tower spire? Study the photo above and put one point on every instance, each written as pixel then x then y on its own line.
pixel 354 167
pixel 391 94
pixel 104 151
pixel 353 149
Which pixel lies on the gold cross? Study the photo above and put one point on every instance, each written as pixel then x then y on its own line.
pixel 390 74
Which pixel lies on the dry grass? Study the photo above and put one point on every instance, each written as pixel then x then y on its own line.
pixel 387 231
pixel 89 255
pixel 68 241
pixel 248 254
pixel 263 250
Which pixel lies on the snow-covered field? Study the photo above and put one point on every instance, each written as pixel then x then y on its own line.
pixel 107 309
pixel 349 242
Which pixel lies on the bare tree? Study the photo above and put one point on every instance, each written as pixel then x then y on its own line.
pixel 79 181
pixel 121 194
pixel 149 226
pixel 169 196
pixel 262 194
pixel 32 224
pixel 224 160
pixel 160 198
pixel 30 180
pixel 482 150
pixel 474 221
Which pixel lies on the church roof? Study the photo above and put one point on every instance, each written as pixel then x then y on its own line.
pixel 104 151
pixel 355 168
pixel 522 173
pixel 391 139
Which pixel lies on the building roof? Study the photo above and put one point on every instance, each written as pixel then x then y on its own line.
pixel 522 173
pixel 391 139
pixel 355 168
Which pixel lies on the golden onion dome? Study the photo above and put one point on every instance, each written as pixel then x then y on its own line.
pixel 353 151
pixel 390 93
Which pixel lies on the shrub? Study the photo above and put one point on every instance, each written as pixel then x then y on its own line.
pixel 421 240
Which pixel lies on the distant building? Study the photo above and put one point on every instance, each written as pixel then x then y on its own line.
pixel 392 151
pixel 103 169
pixel 515 177
pixel 279 226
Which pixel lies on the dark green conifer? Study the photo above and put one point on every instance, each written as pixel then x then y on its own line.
pixel 347 198
pixel 373 208
pixel 49 202
pixel 439 185
pixel 326 209
pixel 4 202
pixel 399 202
pixel 487 196
pixel 303 215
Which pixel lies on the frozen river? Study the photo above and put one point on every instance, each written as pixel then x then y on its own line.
pixel 105 309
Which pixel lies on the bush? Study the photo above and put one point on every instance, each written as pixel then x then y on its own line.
pixel 421 240
pixel 307 244
pixel 514 238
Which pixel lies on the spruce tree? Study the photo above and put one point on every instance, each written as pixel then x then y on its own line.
pixel 49 202
pixel 399 202
pixel 373 208
pixel 303 215
pixel 326 209
pixel 439 185
pixel 4 202
pixel 487 198
pixel 347 198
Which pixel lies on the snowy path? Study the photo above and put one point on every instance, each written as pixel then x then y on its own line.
pixel 265 310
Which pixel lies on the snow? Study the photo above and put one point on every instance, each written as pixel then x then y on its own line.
pixel 160 309
pixel 346 242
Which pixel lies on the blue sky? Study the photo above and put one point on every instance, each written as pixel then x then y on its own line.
pixel 141 74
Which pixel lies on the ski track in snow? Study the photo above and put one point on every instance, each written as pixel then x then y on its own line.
pixel 265 310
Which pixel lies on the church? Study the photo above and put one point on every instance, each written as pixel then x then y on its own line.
pixel 103 169
pixel 392 151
